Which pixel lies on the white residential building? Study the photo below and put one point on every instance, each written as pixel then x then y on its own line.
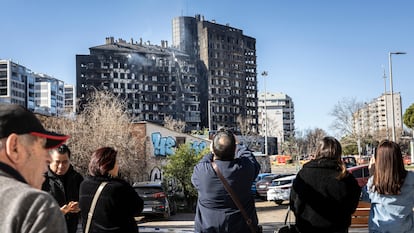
pixel 375 117
pixel 279 109
pixel 49 95
pixel 70 99
pixel 39 93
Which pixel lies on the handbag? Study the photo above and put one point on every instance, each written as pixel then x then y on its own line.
pixel 288 227
pixel 92 209
pixel 253 229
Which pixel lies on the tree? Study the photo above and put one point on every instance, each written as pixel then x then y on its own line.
pixel 409 117
pixel 343 113
pixel 180 168
pixel 312 137
pixel 103 122
pixel 173 124
pixel 245 125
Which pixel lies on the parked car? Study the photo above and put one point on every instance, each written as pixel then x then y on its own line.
pixel 361 174
pixel 364 159
pixel 349 161
pixel 157 202
pixel 279 191
pixel 259 178
pixel 262 186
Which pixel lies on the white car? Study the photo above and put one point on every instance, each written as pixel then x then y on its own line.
pixel 279 190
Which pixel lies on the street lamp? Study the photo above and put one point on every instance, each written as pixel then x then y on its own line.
pixel 386 112
pixel 264 74
pixel 391 93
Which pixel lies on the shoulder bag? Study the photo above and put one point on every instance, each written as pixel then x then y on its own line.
pixel 92 209
pixel 253 229
pixel 288 227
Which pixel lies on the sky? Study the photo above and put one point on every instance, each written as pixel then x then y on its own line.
pixel 318 52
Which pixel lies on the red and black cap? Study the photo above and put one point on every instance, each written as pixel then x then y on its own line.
pixel 17 119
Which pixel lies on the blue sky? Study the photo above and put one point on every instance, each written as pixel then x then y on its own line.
pixel 318 52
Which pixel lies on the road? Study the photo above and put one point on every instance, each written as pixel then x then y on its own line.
pixel 271 217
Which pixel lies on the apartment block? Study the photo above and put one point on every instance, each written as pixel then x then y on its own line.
pixel 375 117
pixel 155 81
pixel 70 100
pixel 17 84
pixel 38 92
pixel 229 59
pixel 278 110
pixel 206 78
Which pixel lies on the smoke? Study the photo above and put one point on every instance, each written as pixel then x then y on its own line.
pixel 138 60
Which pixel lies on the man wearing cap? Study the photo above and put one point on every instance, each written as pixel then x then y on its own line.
pixel 24 158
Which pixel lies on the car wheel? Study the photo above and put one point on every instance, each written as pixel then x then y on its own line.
pixel 173 208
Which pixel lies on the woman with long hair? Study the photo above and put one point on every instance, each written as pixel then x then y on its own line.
pixel 324 194
pixel 118 202
pixel 391 191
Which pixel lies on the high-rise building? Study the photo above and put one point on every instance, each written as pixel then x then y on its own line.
pixel 375 117
pixel 279 109
pixel 229 59
pixel 208 65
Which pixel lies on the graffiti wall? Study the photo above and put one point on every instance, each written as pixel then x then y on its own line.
pixel 161 143
pixel 164 145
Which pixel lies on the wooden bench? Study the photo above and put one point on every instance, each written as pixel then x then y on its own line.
pixel 361 215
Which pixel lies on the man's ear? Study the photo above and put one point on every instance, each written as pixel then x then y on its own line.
pixel 12 147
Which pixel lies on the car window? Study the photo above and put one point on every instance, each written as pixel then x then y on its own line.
pixel 147 190
pixel 281 182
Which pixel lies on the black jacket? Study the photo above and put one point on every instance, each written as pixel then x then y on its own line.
pixel 64 189
pixel 321 202
pixel 116 207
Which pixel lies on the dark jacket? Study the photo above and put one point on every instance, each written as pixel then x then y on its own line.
pixel 116 207
pixel 216 211
pixel 322 202
pixel 65 189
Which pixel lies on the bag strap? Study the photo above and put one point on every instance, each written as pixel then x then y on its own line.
pixel 233 197
pixel 92 209
pixel 287 217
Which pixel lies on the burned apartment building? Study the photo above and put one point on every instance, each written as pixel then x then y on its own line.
pixel 155 81
pixel 207 78
pixel 229 57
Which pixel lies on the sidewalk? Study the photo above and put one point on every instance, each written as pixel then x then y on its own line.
pixel 183 223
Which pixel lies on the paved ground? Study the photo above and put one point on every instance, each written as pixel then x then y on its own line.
pixel 271 217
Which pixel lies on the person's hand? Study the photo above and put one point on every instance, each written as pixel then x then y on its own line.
pixel 71 207
pixel 371 165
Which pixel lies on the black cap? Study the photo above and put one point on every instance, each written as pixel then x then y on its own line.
pixel 17 119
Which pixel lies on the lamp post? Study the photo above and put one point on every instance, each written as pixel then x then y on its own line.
pixel 386 112
pixel 264 74
pixel 391 93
